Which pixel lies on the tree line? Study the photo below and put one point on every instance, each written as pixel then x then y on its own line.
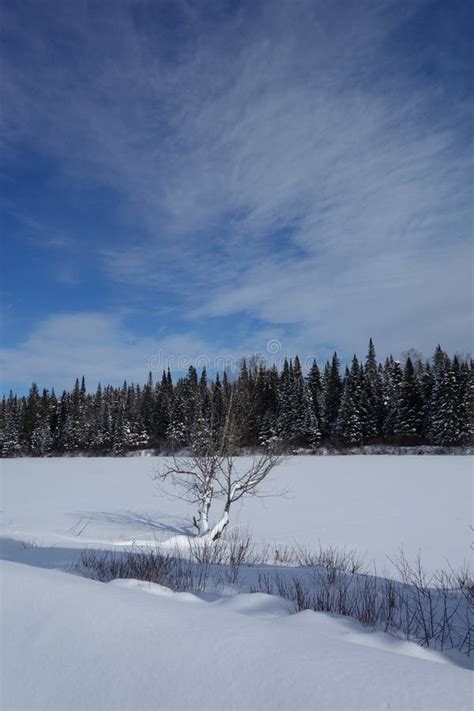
pixel 417 403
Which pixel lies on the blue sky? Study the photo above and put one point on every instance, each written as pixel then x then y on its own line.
pixel 203 180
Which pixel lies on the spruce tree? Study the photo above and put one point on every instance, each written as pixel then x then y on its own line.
pixel 217 406
pixel 449 403
pixel 410 411
pixel 426 384
pixel 462 399
pixel 285 403
pixel 164 402
pixel 374 396
pixel 316 390
pixel 244 405
pixel 332 387
pixel 31 413
pixel 11 428
pixel 393 378
pixel 267 393
pixel 442 400
pixel 147 405
pixel 422 403
pixel 41 440
pixel 350 423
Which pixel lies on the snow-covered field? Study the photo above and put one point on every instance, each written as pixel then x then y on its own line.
pixel 372 504
pixel 72 643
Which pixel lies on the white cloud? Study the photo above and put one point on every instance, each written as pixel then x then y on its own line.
pixel 98 346
pixel 283 163
pixel 412 299
pixel 103 348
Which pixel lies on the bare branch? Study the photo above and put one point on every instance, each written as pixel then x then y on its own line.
pixel 208 470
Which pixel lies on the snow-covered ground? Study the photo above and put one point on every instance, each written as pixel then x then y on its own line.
pixel 72 643
pixel 371 504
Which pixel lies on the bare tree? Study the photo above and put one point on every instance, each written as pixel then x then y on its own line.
pixel 209 471
pixel 193 475
pixel 231 485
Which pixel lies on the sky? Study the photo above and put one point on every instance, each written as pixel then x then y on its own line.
pixel 189 182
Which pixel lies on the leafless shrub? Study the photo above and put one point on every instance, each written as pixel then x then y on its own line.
pixel 330 557
pixel 148 565
pixel 105 566
pixel 234 548
pixel 205 552
pixel 284 555
pixel 435 611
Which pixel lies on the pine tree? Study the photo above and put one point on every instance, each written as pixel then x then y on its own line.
pixel 164 402
pixel 266 395
pixel 108 414
pixel 309 425
pixel 426 384
pixel 285 403
pixel 297 423
pixel 97 420
pixel 393 378
pixel 217 405
pixel 374 396
pixel 462 402
pixel 409 425
pixel 244 404
pixel 120 429
pixel 422 403
pixel 11 428
pixel 76 435
pixel 41 440
pixel 204 398
pixel 350 422
pixel 186 407
pixel 332 387
pixel 147 406
pixel 31 413
pixel 449 403
pixel 305 427
pixel 466 404
pixel 316 390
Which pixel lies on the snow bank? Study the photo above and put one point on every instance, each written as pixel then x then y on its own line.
pixel 69 643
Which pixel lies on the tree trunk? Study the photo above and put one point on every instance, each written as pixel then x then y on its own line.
pixel 202 523
pixel 220 525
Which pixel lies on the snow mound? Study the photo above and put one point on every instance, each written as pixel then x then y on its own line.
pixel 259 604
pixel 70 643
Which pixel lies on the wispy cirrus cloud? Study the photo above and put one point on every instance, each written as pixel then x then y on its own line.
pixel 300 164
pixel 105 348
pixel 99 346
